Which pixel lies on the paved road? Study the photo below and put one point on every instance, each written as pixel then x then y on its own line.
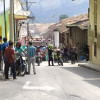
pixel 69 82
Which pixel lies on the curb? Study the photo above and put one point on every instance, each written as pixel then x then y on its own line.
pixel 86 66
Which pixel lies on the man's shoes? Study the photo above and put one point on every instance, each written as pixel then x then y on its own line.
pixel 26 72
pixel 14 78
pixel 7 78
pixel 34 73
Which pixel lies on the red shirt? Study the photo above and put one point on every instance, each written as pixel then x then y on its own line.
pixel 9 52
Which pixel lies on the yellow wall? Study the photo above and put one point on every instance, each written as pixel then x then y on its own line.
pixel 98 16
pixel 92 39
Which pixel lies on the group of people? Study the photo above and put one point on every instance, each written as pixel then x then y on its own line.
pixel 9 54
pixel 53 55
pixel 67 54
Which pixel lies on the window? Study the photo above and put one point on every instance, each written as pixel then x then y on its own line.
pixel 95 49
pixel 95 31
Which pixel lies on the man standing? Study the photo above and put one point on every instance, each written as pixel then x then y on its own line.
pixel 31 52
pixel 3 46
pixel 50 55
pixel 10 60
pixel 0 52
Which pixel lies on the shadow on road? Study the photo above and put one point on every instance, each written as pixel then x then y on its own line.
pixel 90 76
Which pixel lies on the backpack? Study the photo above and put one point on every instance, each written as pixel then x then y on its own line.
pixel 5 45
pixel 0 50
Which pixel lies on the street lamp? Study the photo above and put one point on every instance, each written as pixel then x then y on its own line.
pixel 11 20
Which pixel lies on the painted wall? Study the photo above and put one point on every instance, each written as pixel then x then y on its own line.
pixel 2 25
pixel 92 39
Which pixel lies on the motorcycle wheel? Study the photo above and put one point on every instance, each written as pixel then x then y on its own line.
pixel 60 62
pixel 23 71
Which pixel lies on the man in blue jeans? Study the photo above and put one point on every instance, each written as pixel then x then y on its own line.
pixel 31 52
pixel 0 51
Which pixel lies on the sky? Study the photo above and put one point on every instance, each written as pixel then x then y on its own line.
pixel 48 11
pixel 7 3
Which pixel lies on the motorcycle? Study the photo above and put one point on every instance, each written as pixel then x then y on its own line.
pixel 60 61
pixel 38 59
pixel 21 65
pixel 58 58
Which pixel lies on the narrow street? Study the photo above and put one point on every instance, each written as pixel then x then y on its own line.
pixel 69 82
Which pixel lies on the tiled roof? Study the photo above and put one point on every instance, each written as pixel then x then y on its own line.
pixel 59 26
pixel 84 25
pixel 47 34
pixel 81 21
pixel 74 19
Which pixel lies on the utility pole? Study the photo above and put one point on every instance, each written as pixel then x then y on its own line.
pixel 4 17
pixel 27 21
pixel 27 9
pixel 11 20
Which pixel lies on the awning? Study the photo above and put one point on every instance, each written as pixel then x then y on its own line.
pixel 21 15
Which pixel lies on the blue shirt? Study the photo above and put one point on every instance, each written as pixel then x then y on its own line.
pixel 31 51
pixel 20 50
pixel 3 46
pixel 82 57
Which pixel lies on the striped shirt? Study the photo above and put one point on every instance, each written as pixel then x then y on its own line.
pixel 31 51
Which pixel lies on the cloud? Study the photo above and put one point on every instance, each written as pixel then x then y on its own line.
pixel 80 1
pixel 48 4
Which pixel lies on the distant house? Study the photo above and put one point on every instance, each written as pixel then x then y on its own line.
pixel 73 31
pixel 94 31
pixel 78 32
pixel 62 33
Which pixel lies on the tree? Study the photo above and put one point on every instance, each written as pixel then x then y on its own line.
pixel 63 17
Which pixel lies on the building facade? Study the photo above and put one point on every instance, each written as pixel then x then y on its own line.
pixel 94 31
pixel 19 15
pixel 4 30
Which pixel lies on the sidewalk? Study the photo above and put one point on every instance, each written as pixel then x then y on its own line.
pixel 90 66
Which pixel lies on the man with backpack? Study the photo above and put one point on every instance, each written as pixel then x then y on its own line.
pixel 3 47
